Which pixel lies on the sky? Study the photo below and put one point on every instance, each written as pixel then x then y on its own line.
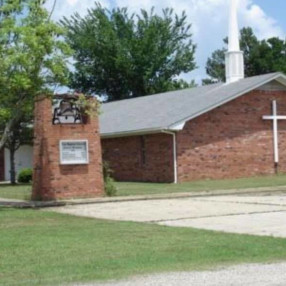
pixel 209 19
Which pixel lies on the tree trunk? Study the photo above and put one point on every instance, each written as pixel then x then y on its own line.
pixel 12 166
pixel 8 127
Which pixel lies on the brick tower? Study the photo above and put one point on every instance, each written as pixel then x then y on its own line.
pixel 67 157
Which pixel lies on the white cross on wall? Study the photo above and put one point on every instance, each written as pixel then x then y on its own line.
pixel 275 119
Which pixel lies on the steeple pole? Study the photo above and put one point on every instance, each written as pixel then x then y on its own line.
pixel 233 32
pixel 234 57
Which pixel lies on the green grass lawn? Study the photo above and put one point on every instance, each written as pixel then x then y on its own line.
pixel 43 248
pixel 128 189
pixel 19 192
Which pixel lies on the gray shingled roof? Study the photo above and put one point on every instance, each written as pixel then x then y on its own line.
pixel 164 111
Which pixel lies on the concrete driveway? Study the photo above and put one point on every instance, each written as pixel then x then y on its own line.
pixel 257 214
pixel 239 275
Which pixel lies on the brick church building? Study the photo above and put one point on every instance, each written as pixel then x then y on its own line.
pixel 216 131
pixel 225 130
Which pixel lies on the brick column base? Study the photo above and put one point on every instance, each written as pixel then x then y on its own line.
pixel 51 180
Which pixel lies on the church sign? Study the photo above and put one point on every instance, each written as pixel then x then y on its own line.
pixel 73 152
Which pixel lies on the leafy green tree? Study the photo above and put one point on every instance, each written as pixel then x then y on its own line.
pixel 215 67
pixel 119 55
pixel 271 56
pixel 33 60
pixel 260 57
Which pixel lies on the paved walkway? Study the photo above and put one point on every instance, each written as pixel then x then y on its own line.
pixel 269 217
pixel 242 275
pixel 259 214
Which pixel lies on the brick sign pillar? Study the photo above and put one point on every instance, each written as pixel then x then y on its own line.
pixel 54 179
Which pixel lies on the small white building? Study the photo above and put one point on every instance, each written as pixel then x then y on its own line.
pixel 23 159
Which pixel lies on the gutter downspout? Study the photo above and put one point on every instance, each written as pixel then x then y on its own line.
pixel 174 154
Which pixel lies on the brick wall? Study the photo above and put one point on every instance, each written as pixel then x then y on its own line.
pixel 146 158
pixel 52 180
pixel 2 165
pixel 233 141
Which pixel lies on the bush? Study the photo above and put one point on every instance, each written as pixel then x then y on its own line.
pixel 25 176
pixel 109 187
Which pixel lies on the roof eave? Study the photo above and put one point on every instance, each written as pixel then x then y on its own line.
pixel 131 133
pixel 174 128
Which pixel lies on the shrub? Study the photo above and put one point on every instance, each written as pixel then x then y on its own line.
pixel 25 176
pixel 109 187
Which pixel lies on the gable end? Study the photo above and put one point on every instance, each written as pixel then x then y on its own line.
pixel 272 86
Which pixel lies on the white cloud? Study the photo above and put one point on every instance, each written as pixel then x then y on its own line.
pixel 209 19
pixel 66 8
pixel 263 25
pixel 72 2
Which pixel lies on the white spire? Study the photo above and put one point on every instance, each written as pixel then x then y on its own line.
pixel 234 57
pixel 233 32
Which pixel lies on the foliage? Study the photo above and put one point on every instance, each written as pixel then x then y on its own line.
pixel 119 55
pixel 109 187
pixel 22 134
pixel 33 59
pixel 88 105
pixel 260 57
pixel 181 84
pixel 216 67
pixel 25 176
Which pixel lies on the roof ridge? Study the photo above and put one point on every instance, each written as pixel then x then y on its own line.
pixel 157 94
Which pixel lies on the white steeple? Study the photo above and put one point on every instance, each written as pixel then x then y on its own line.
pixel 234 62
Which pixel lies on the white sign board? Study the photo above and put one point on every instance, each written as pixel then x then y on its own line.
pixel 73 152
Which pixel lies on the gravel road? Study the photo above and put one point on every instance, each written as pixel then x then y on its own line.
pixel 241 275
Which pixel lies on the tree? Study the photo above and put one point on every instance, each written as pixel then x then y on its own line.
pixel 260 57
pixel 33 60
pixel 271 56
pixel 20 135
pixel 216 66
pixel 119 55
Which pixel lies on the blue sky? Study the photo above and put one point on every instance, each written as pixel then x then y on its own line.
pixel 275 9
pixel 209 19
